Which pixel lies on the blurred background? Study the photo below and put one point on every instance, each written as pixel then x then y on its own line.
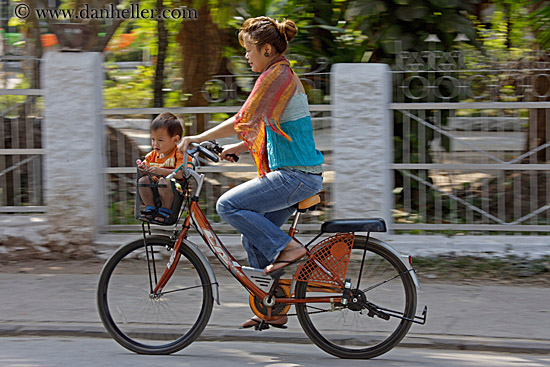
pixel 470 101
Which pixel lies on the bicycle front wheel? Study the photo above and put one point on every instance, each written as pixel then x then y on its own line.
pixel 347 331
pixel 148 324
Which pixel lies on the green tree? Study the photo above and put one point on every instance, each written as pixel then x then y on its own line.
pixel 539 16
pixel 410 21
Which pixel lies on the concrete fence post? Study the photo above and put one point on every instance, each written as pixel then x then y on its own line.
pixel 361 138
pixel 73 137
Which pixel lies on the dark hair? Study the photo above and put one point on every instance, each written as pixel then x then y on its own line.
pixel 168 121
pixel 264 30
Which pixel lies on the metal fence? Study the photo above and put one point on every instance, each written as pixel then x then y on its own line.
pixel 471 143
pixel 21 189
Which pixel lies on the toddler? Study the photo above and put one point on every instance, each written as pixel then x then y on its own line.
pixel 166 132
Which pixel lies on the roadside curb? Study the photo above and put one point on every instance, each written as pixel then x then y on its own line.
pixel 220 334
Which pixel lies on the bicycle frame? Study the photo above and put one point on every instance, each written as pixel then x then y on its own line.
pixel 213 242
pixel 201 223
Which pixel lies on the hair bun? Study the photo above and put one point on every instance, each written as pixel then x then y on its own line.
pixel 288 29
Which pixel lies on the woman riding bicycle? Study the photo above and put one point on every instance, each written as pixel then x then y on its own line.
pixel 274 125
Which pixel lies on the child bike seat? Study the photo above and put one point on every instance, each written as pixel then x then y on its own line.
pixel 354 225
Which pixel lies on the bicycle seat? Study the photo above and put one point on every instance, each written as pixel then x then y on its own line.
pixel 309 204
pixel 354 225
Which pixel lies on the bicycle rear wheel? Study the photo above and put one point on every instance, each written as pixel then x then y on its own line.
pixel 154 325
pixel 348 331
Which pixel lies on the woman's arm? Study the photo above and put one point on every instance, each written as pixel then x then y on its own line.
pixel 223 130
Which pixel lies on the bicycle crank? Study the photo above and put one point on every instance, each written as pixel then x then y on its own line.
pixel 275 310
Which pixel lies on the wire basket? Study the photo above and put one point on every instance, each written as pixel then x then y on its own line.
pixel 334 253
pixel 179 188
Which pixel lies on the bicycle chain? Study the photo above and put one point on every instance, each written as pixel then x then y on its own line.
pixel 309 313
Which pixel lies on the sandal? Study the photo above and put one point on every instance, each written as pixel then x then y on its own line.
pixel 164 214
pixel 148 213
pixel 285 262
pixel 260 324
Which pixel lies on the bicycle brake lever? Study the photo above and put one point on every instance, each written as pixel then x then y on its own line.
pixel 215 147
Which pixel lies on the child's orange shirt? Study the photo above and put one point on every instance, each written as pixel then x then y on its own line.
pixel 172 160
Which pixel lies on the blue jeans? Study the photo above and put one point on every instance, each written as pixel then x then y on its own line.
pixel 259 207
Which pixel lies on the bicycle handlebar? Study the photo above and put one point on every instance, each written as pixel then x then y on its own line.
pixel 212 146
pixel 191 151
pixel 204 150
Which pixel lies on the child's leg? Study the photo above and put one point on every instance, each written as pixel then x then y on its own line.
pixel 146 193
pixel 166 194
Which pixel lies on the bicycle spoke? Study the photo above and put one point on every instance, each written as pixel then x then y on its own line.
pixel 380 284
pixel 184 289
pixel 386 281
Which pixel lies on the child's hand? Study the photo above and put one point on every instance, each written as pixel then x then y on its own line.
pixel 155 170
pixel 142 165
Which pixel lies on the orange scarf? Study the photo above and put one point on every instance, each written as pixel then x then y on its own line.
pixel 267 102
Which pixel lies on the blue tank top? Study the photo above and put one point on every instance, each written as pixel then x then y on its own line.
pixel 300 152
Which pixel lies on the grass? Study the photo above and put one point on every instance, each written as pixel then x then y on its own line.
pixel 510 269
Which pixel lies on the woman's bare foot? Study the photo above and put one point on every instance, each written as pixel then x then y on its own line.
pixel 290 254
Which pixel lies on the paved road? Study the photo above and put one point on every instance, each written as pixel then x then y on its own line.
pixel 460 316
pixel 58 299
pixel 84 352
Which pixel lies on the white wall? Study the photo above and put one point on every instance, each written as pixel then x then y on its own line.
pixel 74 142
pixel 361 126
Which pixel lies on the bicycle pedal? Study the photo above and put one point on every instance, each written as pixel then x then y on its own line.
pixel 261 326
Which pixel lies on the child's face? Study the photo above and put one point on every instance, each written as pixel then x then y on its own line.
pixel 163 143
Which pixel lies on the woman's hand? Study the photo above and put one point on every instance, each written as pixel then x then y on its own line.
pixel 237 149
pixel 186 140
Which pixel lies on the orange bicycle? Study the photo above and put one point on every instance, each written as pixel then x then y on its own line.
pixel 354 296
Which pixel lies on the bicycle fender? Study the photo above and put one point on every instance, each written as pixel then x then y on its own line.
pixel 400 257
pixel 207 266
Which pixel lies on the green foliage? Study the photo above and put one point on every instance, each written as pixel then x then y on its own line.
pixel 504 34
pixel 130 89
pixel 538 21
pixel 410 22
pixel 325 31
pixel 122 212
pixel 8 102
pixel 470 268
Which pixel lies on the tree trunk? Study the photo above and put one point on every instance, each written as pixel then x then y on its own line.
pixel 33 47
pixel 202 54
pixel 158 97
